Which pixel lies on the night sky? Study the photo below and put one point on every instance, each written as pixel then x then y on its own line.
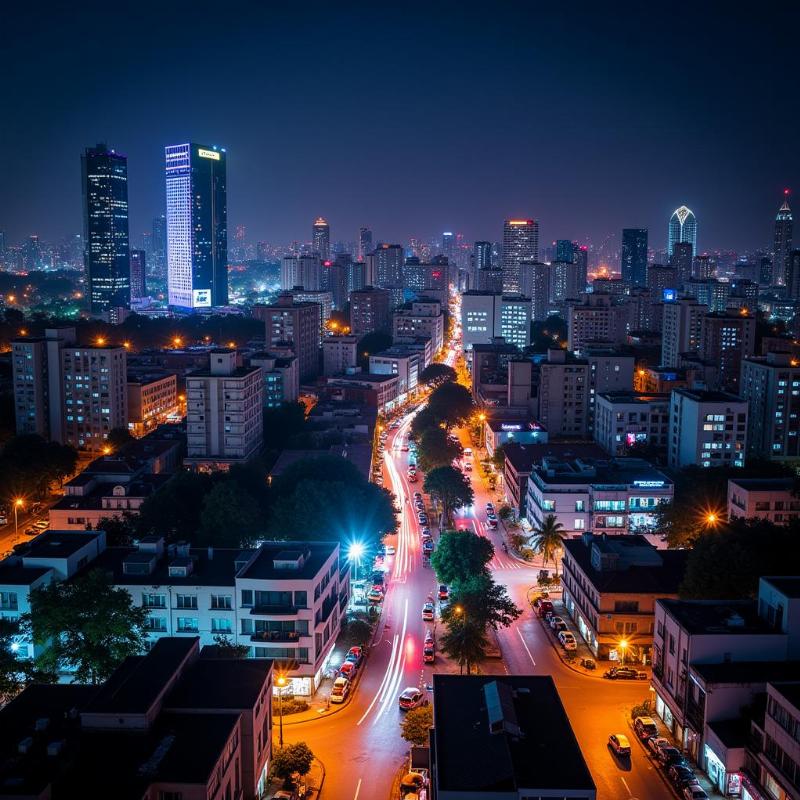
pixel 412 118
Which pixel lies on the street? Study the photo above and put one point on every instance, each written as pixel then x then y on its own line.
pixel 361 746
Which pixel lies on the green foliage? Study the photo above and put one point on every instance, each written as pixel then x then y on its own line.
pixel 416 725
pixel 174 511
pixel 505 512
pixel 293 705
pixel 89 625
pixel 482 602
pixel 518 540
pixel 435 449
pixel 227 648
pixel 465 642
pixel 644 709
pixel 499 458
pixel 15 673
pixel 452 403
pixel 450 487
pixel 119 530
pixel 293 759
pixel 425 419
pixel 461 555
pixel 230 517
pixel 29 465
pixel 726 563
pixel 436 374
pixel 355 632
pixel 547 540
pixel 283 423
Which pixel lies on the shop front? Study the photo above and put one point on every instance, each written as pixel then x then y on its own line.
pixel 724 755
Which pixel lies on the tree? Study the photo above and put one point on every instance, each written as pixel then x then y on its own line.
pixel 547 540
pixel 452 403
pixel 29 465
pixel 118 438
pixel 450 487
pixel 89 626
pixel 479 599
pixel 499 458
pixel 436 450
pixel 293 759
pixel 229 517
pixel 227 648
pixel 174 510
pixel 460 555
pixel 15 672
pixel 465 642
pixel 425 419
pixel 505 512
pixel 726 563
pixel 119 529
pixel 417 724
pixel 435 374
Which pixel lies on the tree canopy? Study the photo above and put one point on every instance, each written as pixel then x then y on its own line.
pixel 451 403
pixel 465 642
pixel 230 517
pixel 15 672
pixel 29 465
pixel 460 555
pixel 435 449
pixel 292 759
pixel 450 487
pixel 416 725
pixel 372 343
pixel 436 373
pixel 479 599
pixel 89 626
pixel 547 540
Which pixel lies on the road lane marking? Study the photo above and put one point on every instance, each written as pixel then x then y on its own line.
pixel 525 646
pixel 358 789
pixel 625 784
pixel 385 677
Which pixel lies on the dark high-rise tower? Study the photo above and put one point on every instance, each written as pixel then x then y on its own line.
pixel 364 243
pixel 783 242
pixel 321 237
pixel 197 226
pixel 793 275
pixel 481 259
pixel 565 251
pixel 158 243
pixel 682 260
pixel 105 226
pixel 138 274
pixel 634 256
pixel 520 243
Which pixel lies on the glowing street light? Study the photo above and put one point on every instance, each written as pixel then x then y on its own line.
pixel 354 555
pixel 177 341
pixel 18 503
pixel 623 645
pixel 281 682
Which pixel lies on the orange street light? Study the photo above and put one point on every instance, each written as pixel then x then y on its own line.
pixel 100 341
pixel 177 341
pixel 281 681
pixel 18 502
pixel 231 344
pixel 623 645
pixel 106 451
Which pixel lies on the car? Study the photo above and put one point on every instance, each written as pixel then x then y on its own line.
pixel 410 698
pixel 378 578
pixel 567 640
pixel 681 776
pixel 619 743
pixel 348 669
pixel 389 550
pixel 623 673
pixel 355 654
pixel 428 651
pixel 545 607
pixel 490 507
pixel 420 506
pixel 468 466
pixel 691 792
pixel 556 620
pixel 657 743
pixel 645 727
pixel 340 690
pixel 41 525
pixel 669 756
pixel 428 613
pixel 443 604
pixel 491 524
pixel 467 452
pixel 422 518
pixel 375 595
pixel 427 547
pixel 425 532
pixel 412 477
pixel 444 592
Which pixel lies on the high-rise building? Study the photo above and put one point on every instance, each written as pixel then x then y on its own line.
pixel 321 238
pixel 703 267
pixel 290 272
pixel 105 226
pixel 420 319
pixel 596 320
pixel 793 275
pixel 520 243
pixel 293 323
pixel 389 261
pixel 224 412
pixel 581 259
pixel 138 274
pixel 565 251
pixel 197 226
pixel 364 243
pixel 565 283
pixel 725 339
pixel 490 280
pixel 339 353
pixel 449 245
pixel 765 271
pixel 783 242
pixel 481 259
pixel 682 228
pixel 634 256
pixel 369 311
pixel 158 243
pixel 682 259
pixel 486 315
pixel 681 330
pixel 534 279
pixel 335 278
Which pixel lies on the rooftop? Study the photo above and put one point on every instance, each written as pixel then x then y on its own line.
pixel 532 746
pixel 595 472
pixel 314 555
pixel 19 575
pixel 790 691
pixel 634 397
pixel 747 671
pixel 733 733
pixel 789 586
pixel 700 396
pixel 59 544
pixel 764 484
pixel 709 617
pixel 519 456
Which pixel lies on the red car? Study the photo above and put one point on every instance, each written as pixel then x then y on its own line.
pixel 348 670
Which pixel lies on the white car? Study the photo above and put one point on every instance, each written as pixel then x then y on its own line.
pixel 428 612
pixel 340 690
pixel 567 640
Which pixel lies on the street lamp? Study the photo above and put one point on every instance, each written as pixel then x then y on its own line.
pixel 281 681
pixel 17 506
pixel 354 554
pixel 623 645
pixel 482 419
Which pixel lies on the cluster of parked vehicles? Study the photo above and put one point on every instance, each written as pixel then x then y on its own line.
pixel 677 769
pixel 346 673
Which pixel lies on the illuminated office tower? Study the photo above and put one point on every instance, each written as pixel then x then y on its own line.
pixel 520 243
pixel 682 228
pixel 481 259
pixel 449 245
pixel 321 237
pixel 138 274
pixel 105 226
pixel 158 243
pixel 389 261
pixel 634 256
pixel 783 242
pixel 364 243
pixel 197 226
pixel 565 251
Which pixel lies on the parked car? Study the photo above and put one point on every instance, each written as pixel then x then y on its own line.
pixel 645 727
pixel 429 651
pixel 555 621
pixel 378 578
pixel 355 654
pixel 657 743
pixel 410 698
pixel 669 756
pixel 619 743
pixel 444 592
pixel 491 524
pixel 624 673
pixel 428 612
pixel 490 508
pixel 694 793
pixel 348 669
pixel 567 640
pixel 340 690
pixel 389 550
pixel 375 595
pixel 545 608
pixel 681 776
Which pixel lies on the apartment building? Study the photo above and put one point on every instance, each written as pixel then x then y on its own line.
pixel 682 329
pixel 772 499
pixel 628 419
pixel 586 494
pixel 174 723
pixel 486 316
pixel 281 377
pixel 405 364
pixel 725 340
pixel 708 429
pixel 339 354
pixel 152 399
pixel 298 324
pixel 224 412
pixel 420 318
pixel 597 318
pixel 369 311
pixel 611 584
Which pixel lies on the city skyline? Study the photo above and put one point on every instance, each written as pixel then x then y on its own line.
pixel 624 161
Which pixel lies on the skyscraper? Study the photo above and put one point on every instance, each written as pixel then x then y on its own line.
pixel 105 225
pixel 634 256
pixel 321 237
pixel 138 274
pixel 793 275
pixel 520 243
pixel 364 243
pixel 197 226
pixel 449 245
pixel 481 259
pixel 682 228
pixel 389 263
pixel 565 251
pixel 783 242
pixel 581 258
pixel 158 242
pixel 682 260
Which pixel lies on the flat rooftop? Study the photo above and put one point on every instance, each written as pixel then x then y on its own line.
pixel 747 671
pixel 709 397
pixel 312 554
pixel 535 750
pixel 790 586
pixel 790 691
pixel 592 471
pixel 764 484
pixel 636 398
pixel 59 544
pixel 709 617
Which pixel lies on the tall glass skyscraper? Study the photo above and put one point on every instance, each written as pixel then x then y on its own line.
pixel 634 256
pixel 682 228
pixel 520 243
pixel 104 176
pixel 197 226
pixel 321 235
pixel 783 243
pixel 364 243
pixel 565 251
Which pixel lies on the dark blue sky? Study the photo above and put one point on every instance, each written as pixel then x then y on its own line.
pixel 412 118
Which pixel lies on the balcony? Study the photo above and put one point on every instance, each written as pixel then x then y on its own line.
pixel 274 611
pixel 278 636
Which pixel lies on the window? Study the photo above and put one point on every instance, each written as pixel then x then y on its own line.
pixel 170 796
pixel 301 599
pixel 154 601
pixel 220 625
pixel 629 606
pixel 8 601
pixel 580 505
pixel 186 601
pixel 247 598
pixel 580 524
pixel 156 625
pixel 187 625
pixel 221 601
pixel 549 505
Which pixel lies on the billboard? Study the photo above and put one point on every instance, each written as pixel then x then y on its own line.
pixel 201 298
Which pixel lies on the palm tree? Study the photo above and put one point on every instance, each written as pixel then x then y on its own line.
pixel 547 540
